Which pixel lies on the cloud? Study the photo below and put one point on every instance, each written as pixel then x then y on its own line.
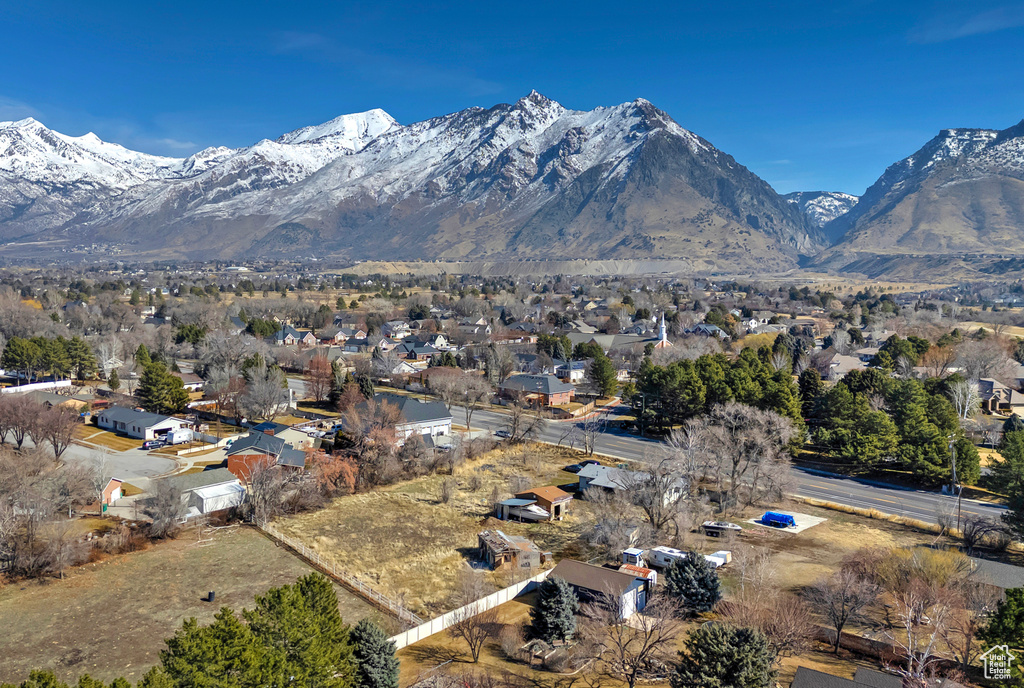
pixel 961 23
pixel 401 73
pixel 13 110
pixel 174 143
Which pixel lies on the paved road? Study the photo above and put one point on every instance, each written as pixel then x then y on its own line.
pixel 918 504
pixel 134 465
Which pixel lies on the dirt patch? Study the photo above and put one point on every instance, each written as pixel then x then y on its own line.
pixel 110 618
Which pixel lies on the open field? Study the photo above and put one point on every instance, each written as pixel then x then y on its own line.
pixel 110 618
pixel 404 541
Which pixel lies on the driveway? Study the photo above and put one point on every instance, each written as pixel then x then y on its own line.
pixel 135 465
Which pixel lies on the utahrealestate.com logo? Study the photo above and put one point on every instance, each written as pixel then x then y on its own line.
pixel 998 662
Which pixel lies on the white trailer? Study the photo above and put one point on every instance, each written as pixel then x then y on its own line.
pixel 179 436
pixel 663 557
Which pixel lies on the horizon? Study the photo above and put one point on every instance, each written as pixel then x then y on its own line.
pixel 809 98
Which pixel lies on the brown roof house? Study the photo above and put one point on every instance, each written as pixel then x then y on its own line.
pixel 540 390
pixel 550 498
pixel 628 592
pixel 998 398
pixel 498 549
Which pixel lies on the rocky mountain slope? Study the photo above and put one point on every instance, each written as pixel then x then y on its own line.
pixel 523 180
pixel 822 207
pixel 961 195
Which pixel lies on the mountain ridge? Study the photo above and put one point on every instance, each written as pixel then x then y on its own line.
pixel 514 180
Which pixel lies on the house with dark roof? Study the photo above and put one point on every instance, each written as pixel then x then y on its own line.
pixel 425 418
pixel 260 449
pixel 540 390
pixel 864 678
pixel 138 424
pixel 416 351
pixel 627 592
pixel 289 336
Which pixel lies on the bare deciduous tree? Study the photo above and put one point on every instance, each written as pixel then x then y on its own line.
pixel 520 424
pixel 56 425
pixel 751 451
pixel 631 651
pixel 265 392
pixel 964 396
pixel 982 359
pixel 319 376
pixel 166 507
pixel 842 598
pixel 474 625
pixel 658 491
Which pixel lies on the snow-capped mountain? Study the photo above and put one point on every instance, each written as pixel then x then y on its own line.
pixel 528 179
pixel 821 207
pixel 961 193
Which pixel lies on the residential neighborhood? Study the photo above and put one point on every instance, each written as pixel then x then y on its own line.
pixel 517 445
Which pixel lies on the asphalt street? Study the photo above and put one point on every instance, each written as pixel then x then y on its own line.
pixel 918 504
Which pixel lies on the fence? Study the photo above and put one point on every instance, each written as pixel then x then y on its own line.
pixel 429 628
pixel 347 579
pixel 36 386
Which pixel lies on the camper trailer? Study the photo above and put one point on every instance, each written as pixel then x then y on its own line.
pixel 663 557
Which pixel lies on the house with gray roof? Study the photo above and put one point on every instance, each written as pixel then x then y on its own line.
pixel 429 419
pixel 138 424
pixel 629 593
pixel 541 390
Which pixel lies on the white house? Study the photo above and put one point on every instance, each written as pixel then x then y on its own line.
pixel 138 424
pixel 209 491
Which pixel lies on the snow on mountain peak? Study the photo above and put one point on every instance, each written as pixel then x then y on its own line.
pixel 352 131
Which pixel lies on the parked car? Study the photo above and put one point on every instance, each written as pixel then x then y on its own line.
pixel 502 433
pixel 589 462
pixel 153 444
pixel 573 468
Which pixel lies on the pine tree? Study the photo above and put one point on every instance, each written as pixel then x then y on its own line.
pixel 301 624
pixel 114 381
pixel 1006 625
pixel 156 678
pixel 142 357
pixel 603 375
pixel 554 616
pixel 374 653
pixel 224 654
pixel 694 581
pixel 718 656
pixel 160 391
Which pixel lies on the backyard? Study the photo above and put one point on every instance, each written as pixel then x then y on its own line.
pixel 110 618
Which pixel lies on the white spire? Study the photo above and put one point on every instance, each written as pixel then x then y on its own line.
pixel 662 332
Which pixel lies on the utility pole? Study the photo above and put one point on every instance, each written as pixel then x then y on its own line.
pixel 956 483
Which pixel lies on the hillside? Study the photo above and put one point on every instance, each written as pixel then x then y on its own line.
pixel 961 196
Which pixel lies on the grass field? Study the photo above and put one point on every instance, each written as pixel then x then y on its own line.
pixel 94 435
pixel 403 540
pixel 110 618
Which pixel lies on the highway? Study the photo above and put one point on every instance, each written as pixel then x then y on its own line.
pixel 918 504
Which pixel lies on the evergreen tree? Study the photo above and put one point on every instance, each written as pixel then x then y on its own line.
pixel 224 654
pixel 604 375
pixel 142 357
pixel 114 381
pixel 811 389
pixel 1013 424
pixel 1006 625
pixel 365 385
pixel 374 654
pixel 694 581
pixel 554 616
pixel 156 678
pixel 161 392
pixel 718 656
pixel 301 624
pixel 83 360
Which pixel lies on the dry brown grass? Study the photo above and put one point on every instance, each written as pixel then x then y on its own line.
pixel 111 440
pixel 407 543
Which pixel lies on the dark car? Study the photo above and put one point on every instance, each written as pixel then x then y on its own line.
pixel 574 468
pixel 503 433
pixel 589 462
pixel 153 444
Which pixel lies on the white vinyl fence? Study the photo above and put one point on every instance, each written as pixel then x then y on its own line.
pixel 429 628
pixel 36 386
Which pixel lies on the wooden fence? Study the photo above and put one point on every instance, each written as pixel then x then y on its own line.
pixel 436 625
pixel 349 580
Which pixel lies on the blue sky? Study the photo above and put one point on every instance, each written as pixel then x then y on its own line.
pixel 811 95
